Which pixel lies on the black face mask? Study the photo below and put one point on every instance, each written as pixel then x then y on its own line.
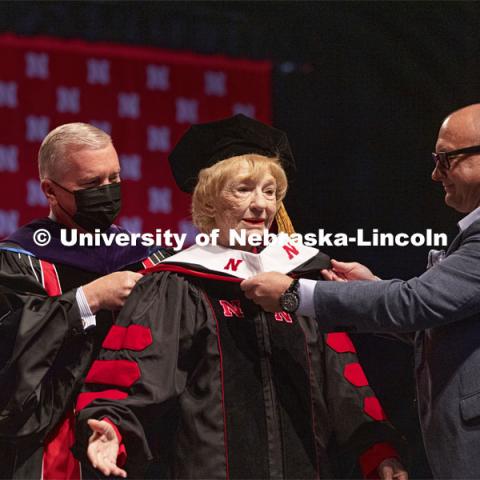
pixel 97 207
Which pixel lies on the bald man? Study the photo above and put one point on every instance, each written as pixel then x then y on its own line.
pixel 442 306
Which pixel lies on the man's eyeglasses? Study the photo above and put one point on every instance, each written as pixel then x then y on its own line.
pixel 443 158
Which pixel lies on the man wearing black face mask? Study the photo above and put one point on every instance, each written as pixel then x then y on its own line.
pixel 55 301
pixel 97 207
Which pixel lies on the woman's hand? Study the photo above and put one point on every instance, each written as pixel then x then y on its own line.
pixel 103 448
pixel 392 469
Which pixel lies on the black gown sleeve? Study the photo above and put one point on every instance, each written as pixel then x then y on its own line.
pixel 43 351
pixel 138 379
pixel 363 435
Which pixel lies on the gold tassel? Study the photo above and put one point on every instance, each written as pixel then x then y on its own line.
pixel 284 224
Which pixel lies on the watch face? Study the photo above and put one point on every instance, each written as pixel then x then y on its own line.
pixel 289 302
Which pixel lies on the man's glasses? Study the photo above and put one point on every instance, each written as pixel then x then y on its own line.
pixel 443 158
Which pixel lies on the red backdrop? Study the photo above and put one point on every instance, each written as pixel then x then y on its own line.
pixel 144 98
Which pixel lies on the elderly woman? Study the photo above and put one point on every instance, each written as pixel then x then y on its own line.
pixel 200 380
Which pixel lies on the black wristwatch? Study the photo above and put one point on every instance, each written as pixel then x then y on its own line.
pixel 290 299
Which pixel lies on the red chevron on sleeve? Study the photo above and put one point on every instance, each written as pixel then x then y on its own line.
pixel 372 407
pixel 121 373
pixel 133 337
pixel 86 398
pixel 354 373
pixel 340 342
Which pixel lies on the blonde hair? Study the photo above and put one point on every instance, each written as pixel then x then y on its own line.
pixel 211 181
pixel 66 139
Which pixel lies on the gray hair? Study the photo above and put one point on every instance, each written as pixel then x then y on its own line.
pixel 66 139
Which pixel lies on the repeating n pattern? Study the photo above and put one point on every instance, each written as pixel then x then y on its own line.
pixel 144 97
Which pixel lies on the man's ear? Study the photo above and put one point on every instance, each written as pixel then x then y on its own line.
pixel 47 188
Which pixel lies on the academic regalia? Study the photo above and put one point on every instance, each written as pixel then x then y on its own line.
pixel 44 349
pixel 235 392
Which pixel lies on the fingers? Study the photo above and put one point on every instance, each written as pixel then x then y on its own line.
pixel 249 295
pixel 134 277
pixel 249 283
pixel 102 452
pixel 130 282
pixel 343 267
pixel 113 289
pixel 392 468
pixel 249 287
pixel 327 274
pixel 352 271
pixel 109 467
pixel 399 472
pixel 127 282
pixel 332 276
pixel 98 458
pixel 266 288
pixel 99 426
pixel 118 472
pixel 92 456
pixel 386 472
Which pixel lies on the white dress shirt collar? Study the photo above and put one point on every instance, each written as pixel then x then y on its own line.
pixel 466 221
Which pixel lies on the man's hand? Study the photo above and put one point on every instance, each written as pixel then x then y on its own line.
pixel 265 289
pixel 392 469
pixel 103 448
pixel 346 271
pixel 111 291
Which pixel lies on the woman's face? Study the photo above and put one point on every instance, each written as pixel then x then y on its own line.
pixel 245 203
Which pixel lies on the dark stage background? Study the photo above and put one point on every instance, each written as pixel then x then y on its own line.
pixel 361 88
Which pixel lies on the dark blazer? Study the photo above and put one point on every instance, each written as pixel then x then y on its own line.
pixel 443 305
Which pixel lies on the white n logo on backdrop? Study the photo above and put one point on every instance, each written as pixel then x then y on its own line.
pixel 186 110
pixel 36 65
pixel 158 77
pixel 215 84
pixel 8 158
pixel 37 127
pixel 160 200
pixel 128 105
pixel 132 224
pixel 131 166
pixel 8 222
pixel 68 100
pixel 98 72
pixel 8 94
pixel 158 138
